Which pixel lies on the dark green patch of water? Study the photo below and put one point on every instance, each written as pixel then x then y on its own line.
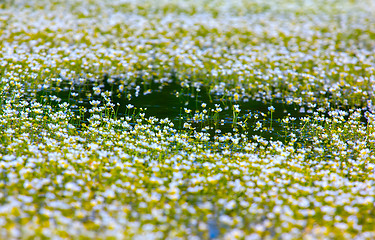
pixel 168 99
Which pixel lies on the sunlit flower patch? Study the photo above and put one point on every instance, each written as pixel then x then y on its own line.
pixel 187 119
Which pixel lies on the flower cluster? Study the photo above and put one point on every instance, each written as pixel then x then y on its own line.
pixel 76 163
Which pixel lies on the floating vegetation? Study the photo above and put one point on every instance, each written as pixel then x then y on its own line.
pixel 187 119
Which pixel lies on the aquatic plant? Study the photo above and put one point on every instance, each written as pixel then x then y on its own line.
pixel 187 119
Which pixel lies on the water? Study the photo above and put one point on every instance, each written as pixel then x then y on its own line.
pixel 168 99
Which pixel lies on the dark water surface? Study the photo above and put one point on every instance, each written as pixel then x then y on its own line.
pixel 169 100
